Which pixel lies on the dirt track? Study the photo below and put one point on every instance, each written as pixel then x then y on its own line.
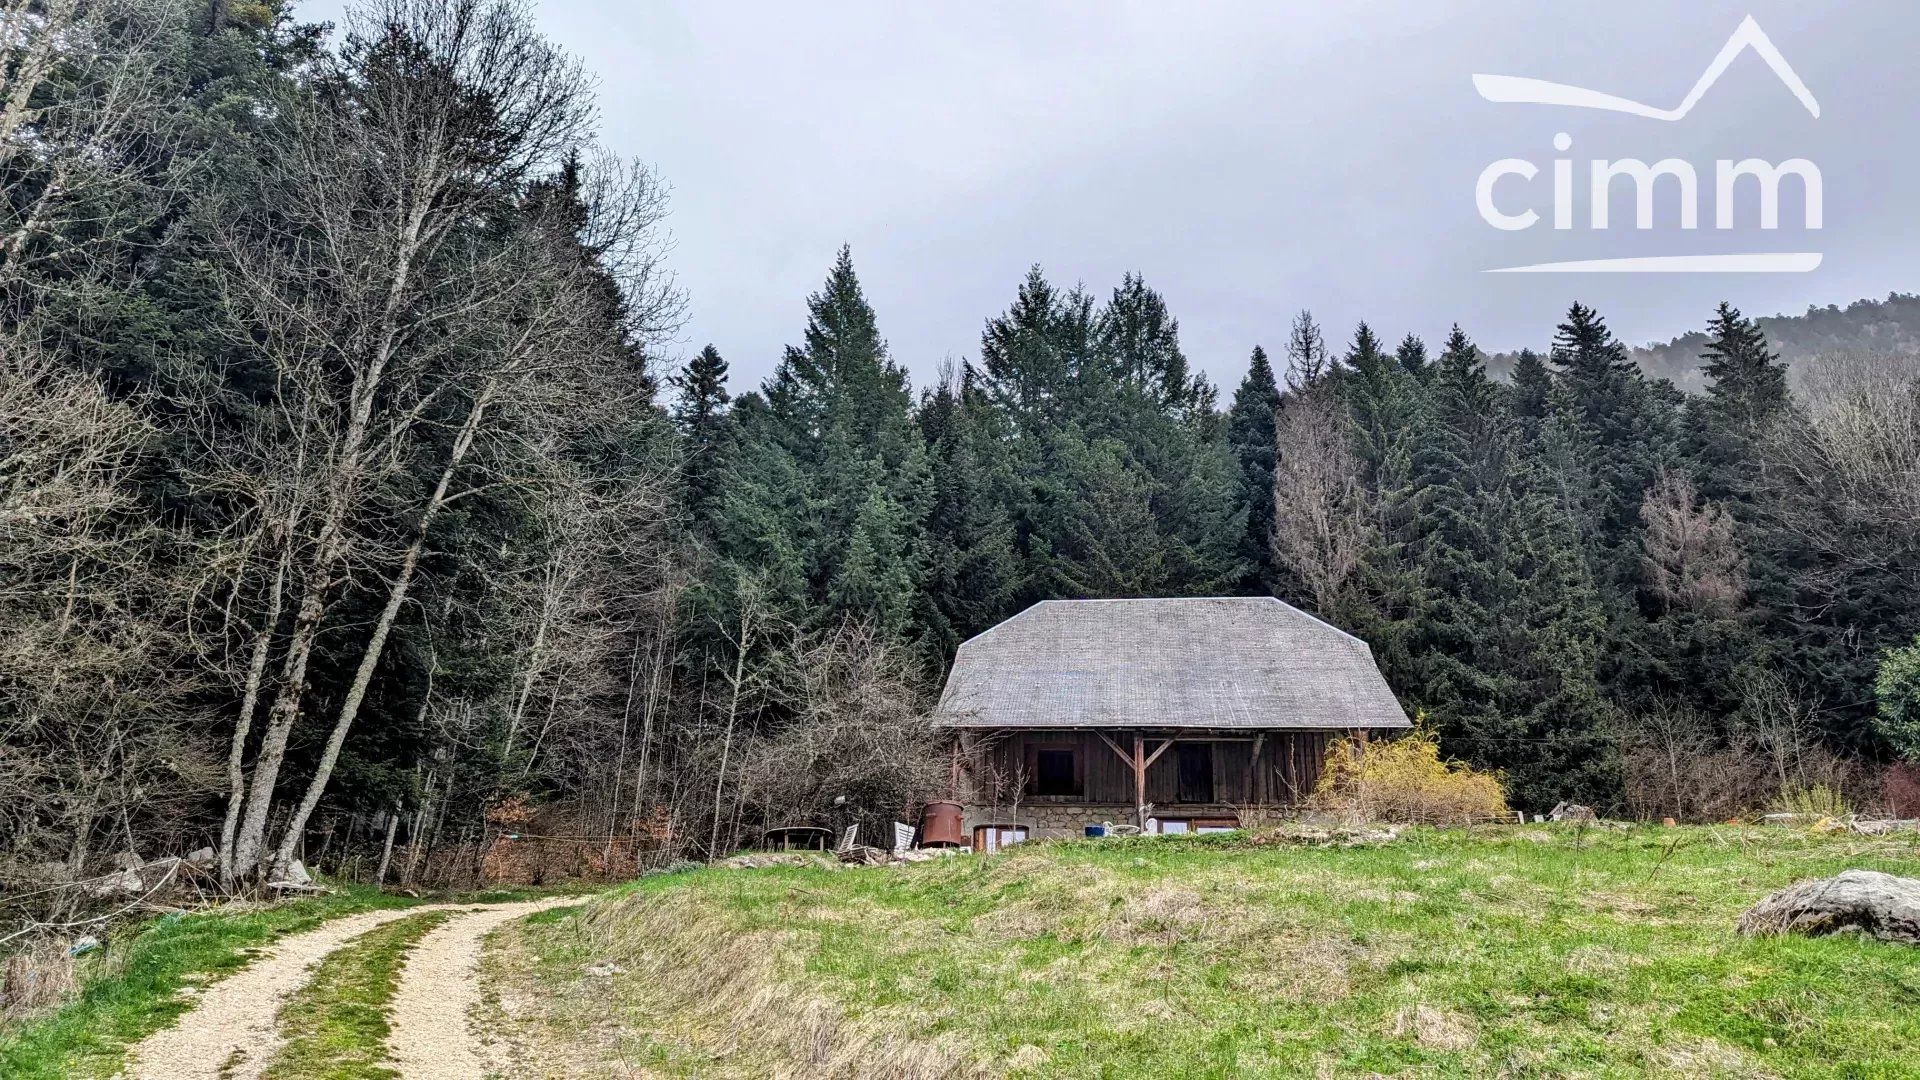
pixel 231 1033
pixel 432 1038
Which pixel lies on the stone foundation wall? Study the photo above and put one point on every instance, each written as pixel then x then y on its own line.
pixel 1050 821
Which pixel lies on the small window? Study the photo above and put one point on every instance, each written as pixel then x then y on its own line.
pixel 1173 827
pixel 1055 771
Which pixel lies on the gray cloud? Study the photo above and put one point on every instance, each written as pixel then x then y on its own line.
pixel 1249 159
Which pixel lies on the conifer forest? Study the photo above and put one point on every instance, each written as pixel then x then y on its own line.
pixel 360 493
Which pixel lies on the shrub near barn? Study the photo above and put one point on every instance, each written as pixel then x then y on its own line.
pixel 1406 781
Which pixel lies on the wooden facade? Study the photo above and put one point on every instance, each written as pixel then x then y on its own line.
pixel 1184 768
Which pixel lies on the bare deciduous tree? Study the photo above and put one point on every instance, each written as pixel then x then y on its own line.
pixel 85 135
pixel 410 340
pixel 1321 518
pixel 95 712
pixel 1692 558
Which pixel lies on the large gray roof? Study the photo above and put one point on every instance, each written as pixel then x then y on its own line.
pixel 1212 662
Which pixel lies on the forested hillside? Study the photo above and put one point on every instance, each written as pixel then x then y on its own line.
pixel 1862 327
pixel 353 493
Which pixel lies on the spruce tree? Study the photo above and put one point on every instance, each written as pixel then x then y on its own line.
pixel 700 412
pixel 1532 390
pixel 1382 403
pixel 1250 432
pixel 838 477
pixel 1139 343
pixel 1746 394
pixel 1625 433
pixel 973 569
pixel 1412 356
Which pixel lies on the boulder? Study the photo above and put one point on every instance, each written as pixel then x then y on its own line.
pixel 202 858
pixel 1873 903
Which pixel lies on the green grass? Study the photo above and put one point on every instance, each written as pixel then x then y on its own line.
pixel 336 1026
pixel 133 987
pixel 1538 951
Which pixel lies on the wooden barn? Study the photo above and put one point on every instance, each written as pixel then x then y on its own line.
pixel 1179 715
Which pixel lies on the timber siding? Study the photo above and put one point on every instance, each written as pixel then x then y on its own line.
pixel 1289 765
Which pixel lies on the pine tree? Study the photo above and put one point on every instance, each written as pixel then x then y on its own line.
pixel 1412 356
pixel 1250 432
pixel 1625 430
pixel 973 568
pixel 1746 394
pixel 700 412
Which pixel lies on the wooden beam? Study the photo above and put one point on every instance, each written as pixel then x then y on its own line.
pixel 1253 771
pixel 1156 753
pixel 1140 781
pixel 1115 747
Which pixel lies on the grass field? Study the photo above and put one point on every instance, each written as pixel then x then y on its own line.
pixel 1532 951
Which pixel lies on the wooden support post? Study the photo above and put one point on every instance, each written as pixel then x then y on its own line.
pixel 1140 781
pixel 1253 771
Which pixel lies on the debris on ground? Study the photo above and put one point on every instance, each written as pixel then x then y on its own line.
pixel 760 860
pixel 1883 826
pixel 1326 835
pixel 1879 905
pixel 1571 811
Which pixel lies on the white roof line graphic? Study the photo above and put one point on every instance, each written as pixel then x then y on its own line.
pixel 1514 89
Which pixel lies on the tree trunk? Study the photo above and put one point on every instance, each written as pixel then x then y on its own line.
pixel 250 702
pixel 386 849
pixel 376 643
pixel 726 747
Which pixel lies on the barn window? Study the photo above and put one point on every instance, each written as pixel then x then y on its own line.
pixel 1056 770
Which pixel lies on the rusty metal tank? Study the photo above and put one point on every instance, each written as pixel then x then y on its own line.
pixel 940 825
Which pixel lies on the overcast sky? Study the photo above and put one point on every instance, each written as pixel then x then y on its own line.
pixel 1250 159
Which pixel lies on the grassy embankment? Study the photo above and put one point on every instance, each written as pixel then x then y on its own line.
pixel 144 977
pixel 1536 951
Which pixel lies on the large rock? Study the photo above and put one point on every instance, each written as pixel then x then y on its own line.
pixel 1881 905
